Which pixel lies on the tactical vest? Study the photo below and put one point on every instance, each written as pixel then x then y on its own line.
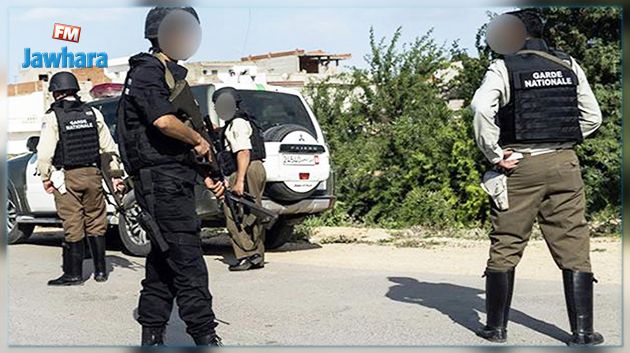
pixel 78 135
pixel 144 145
pixel 257 140
pixel 543 103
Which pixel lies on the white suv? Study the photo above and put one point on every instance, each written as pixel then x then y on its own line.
pixel 300 180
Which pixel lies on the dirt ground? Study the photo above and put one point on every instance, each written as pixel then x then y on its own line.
pixel 397 250
pixel 368 291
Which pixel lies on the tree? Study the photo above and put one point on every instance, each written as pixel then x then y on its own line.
pixel 401 155
pixel 403 158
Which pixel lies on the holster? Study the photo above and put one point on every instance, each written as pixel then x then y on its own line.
pixel 494 183
pixel 227 162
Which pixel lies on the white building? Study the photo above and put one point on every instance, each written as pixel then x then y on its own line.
pixel 29 98
pixel 25 113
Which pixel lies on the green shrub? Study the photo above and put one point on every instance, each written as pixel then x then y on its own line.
pixel 403 158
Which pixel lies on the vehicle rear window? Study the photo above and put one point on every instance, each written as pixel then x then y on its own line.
pixel 108 108
pixel 269 108
pixel 273 108
pixel 201 94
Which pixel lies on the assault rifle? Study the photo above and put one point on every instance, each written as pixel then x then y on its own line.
pixel 114 198
pixel 239 206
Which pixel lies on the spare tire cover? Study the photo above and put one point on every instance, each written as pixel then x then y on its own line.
pixel 291 190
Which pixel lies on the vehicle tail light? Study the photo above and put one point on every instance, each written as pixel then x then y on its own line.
pixel 105 90
pixel 305 176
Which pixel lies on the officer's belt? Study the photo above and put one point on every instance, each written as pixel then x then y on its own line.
pixel 547 151
pixel 146 184
pixel 71 167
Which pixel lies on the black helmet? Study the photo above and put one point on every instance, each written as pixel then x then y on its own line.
pixel 155 17
pixel 533 21
pixel 63 81
pixel 227 90
pixel 227 103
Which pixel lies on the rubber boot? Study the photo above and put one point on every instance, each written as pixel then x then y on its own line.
pixel 97 247
pixel 72 257
pixel 211 339
pixel 499 289
pixel 87 252
pixel 152 336
pixel 578 292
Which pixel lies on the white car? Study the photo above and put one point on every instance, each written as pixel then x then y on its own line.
pixel 300 180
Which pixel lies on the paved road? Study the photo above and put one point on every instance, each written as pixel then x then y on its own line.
pixel 300 298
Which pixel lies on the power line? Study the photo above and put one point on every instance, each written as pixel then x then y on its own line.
pixel 249 22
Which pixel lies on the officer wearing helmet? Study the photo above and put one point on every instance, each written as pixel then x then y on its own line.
pixel 533 106
pixel 242 153
pixel 73 139
pixel 160 152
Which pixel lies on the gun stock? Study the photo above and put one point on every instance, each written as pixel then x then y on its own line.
pixel 263 216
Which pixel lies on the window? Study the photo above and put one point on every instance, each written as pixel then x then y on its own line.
pixel 272 109
pixel 108 108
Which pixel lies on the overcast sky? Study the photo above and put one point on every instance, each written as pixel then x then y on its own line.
pixel 230 33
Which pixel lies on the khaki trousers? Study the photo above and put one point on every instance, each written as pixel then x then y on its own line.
pixel 547 188
pixel 251 240
pixel 82 207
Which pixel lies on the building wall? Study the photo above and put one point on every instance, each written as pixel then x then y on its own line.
pixel 24 88
pixel 94 75
pixel 25 119
pixel 117 69
pixel 29 99
pixel 29 79
pixel 284 64
pixel 207 71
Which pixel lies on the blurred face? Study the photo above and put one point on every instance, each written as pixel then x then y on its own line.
pixel 179 35
pixel 506 34
pixel 225 106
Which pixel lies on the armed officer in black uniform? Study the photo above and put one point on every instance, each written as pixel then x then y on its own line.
pixel 537 103
pixel 159 151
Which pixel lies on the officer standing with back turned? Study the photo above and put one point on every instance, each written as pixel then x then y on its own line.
pixel 537 103
pixel 73 138
pixel 159 152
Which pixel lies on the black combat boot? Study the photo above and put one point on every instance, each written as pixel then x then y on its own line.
pixel 578 292
pixel 257 261
pixel 241 265
pixel 97 247
pixel 152 336
pixel 211 339
pixel 499 288
pixel 72 258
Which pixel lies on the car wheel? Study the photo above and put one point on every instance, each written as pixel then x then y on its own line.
pixel 132 236
pixel 16 232
pixel 278 235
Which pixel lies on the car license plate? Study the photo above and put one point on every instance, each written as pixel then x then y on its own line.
pixel 298 159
